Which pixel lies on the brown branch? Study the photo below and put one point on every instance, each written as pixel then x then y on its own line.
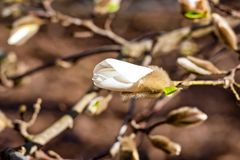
pixel 5 122
pixel 23 126
pixel 121 132
pixel 89 24
pixel 227 10
pixel 39 140
pixel 71 58
pixel 148 129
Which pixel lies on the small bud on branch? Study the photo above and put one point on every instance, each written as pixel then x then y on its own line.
pixel 24 29
pixel 185 116
pixel 224 31
pixel 165 144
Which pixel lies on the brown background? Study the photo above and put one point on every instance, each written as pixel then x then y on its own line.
pixel 218 138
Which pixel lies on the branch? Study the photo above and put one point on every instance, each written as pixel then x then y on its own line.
pixel 227 10
pixel 39 140
pixel 89 24
pixel 122 131
pixel 22 126
pixel 199 83
pixel 148 129
pixel 71 58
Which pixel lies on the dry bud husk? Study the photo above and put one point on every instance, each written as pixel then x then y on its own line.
pixel 154 82
pixel 195 9
pixel 150 86
pixel 99 105
pixel 185 116
pixel 198 65
pixel 23 29
pixel 106 6
pixel 137 49
pixel 128 148
pixel 224 31
pixel 165 144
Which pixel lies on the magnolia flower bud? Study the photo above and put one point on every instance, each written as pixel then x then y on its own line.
pixel 195 9
pixel 118 75
pixel 24 29
pixel 224 31
pixel 99 104
pixel 198 66
pixel 165 144
pixel 128 148
pixel 121 76
pixel 185 116
pixel 106 6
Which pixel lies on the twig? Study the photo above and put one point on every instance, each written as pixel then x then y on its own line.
pixel 63 123
pixel 71 58
pixel 39 140
pixel 227 10
pixel 199 83
pixel 23 126
pixel 121 132
pixel 148 129
pixel 89 24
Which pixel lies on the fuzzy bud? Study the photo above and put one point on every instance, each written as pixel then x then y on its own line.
pixel 185 116
pixel 165 144
pixel 197 65
pixel 224 31
pixel 128 148
pixel 99 105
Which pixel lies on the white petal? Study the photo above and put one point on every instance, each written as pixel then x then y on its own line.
pixel 21 34
pixel 192 3
pixel 128 71
pixel 112 84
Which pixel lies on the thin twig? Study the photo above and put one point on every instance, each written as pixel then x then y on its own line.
pixel 71 58
pixel 121 132
pixel 148 129
pixel 199 83
pixel 227 10
pixel 89 24
pixel 39 140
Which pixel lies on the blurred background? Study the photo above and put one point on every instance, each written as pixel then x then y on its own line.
pixel 218 138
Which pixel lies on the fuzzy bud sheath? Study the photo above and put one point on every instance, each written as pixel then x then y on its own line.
pixel 154 82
